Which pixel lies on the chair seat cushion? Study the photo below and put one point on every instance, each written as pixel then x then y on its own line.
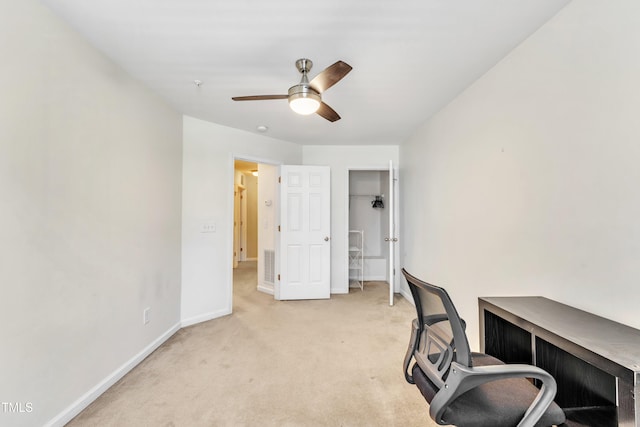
pixel 499 403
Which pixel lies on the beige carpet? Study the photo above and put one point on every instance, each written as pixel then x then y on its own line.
pixel 334 362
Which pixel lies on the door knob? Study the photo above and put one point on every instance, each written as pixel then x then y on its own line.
pixel 326 239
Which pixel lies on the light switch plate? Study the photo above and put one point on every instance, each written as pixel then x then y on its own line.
pixel 208 227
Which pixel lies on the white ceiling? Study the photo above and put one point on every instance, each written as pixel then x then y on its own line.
pixel 409 57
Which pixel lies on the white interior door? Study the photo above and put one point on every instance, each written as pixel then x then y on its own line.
pixel 242 254
pixel 305 247
pixel 392 239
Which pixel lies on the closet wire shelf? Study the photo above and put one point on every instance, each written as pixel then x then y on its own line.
pixel 356 262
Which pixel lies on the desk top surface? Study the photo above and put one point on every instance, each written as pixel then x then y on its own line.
pixel 615 341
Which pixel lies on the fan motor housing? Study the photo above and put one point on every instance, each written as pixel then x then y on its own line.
pixel 303 91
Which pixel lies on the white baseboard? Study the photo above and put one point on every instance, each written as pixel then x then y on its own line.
pixel 76 407
pixel 407 295
pixel 375 278
pixel 204 317
pixel 265 289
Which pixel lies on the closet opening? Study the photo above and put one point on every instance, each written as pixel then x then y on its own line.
pixel 369 217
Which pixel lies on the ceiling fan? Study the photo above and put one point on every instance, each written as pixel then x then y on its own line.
pixel 306 97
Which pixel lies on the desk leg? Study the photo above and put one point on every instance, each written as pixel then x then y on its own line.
pixel 636 398
pixel 627 405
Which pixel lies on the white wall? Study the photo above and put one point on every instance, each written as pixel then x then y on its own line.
pixel 527 184
pixel 341 159
pixel 90 183
pixel 207 196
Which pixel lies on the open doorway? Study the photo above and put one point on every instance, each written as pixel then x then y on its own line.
pixel 245 228
pixel 245 212
pixel 369 218
pixel 254 223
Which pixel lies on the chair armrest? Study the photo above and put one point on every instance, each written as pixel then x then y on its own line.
pixel 410 350
pixel 462 379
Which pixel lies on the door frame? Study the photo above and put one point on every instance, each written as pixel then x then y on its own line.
pixel 238 190
pixel 396 214
pixel 243 224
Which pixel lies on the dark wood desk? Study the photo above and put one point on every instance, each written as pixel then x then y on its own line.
pixel 595 361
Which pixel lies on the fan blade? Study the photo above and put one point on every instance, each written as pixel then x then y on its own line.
pixel 259 97
pixel 327 112
pixel 330 76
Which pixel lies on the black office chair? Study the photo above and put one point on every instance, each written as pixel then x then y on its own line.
pixel 470 389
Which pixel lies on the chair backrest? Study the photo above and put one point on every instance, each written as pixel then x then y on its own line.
pixel 440 331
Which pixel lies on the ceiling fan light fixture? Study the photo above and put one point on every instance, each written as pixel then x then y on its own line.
pixel 305 97
pixel 304 100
